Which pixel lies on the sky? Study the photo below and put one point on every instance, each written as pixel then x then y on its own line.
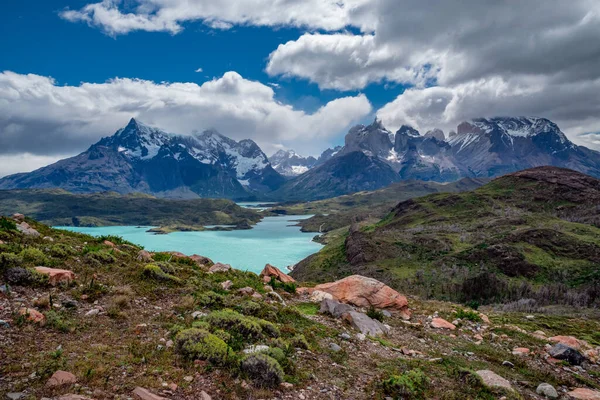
pixel 288 74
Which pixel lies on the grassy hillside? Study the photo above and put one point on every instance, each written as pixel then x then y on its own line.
pixel 533 234
pixel 342 211
pixel 61 208
pixel 167 325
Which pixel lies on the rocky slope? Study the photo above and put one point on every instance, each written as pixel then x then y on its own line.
pixel 288 163
pixel 103 319
pixel 139 158
pixel 532 234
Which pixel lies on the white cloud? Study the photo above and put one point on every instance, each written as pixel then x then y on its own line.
pixel 168 15
pixel 25 162
pixel 199 70
pixel 43 118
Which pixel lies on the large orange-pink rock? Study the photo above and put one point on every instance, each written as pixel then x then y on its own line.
pixel 440 323
pixel 273 272
pixel 145 394
pixel 366 292
pixel 33 315
pixel 56 276
pixel 584 394
pixel 60 378
pixel 569 341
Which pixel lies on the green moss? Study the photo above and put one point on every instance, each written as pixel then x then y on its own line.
pixel 153 271
pixel 263 370
pixel 202 345
pixel 34 256
pixel 410 385
pixel 308 308
pixel 7 224
pixel 299 341
pixel 468 315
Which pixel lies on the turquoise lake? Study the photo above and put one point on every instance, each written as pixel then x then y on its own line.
pixel 274 240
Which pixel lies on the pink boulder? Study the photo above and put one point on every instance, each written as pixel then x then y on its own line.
pixel 440 323
pixel 584 394
pixel 60 378
pixel 145 394
pixel 366 292
pixel 569 341
pixel 273 272
pixel 56 276
pixel 33 315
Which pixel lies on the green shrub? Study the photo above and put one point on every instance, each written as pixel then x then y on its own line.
pixel 410 385
pixel 374 313
pixel 263 370
pixel 277 354
pixel 101 257
pixel 10 260
pixel 235 323
pixel 468 315
pixel 248 307
pixel 210 299
pixel 288 287
pixel 116 240
pixel 58 321
pixel 155 272
pixel 200 344
pixel 7 224
pixel 34 256
pixel 300 342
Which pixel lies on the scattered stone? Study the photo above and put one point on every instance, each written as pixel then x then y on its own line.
pixel 539 334
pixel 48 239
pixel 276 296
pixel 257 296
pixel 547 390
pixel 366 292
pixel 345 336
pixel 226 285
pixel 364 323
pixel 198 314
pixel 204 396
pixel 520 351
pixel 18 217
pixel 219 267
pixel 259 348
pixel 569 341
pixel 478 337
pixel 4 324
pixel 61 378
pixel 144 256
pixel 286 385
pixel 484 318
pixel 584 394
pixel 109 243
pixel 508 364
pixel 318 296
pixel 334 307
pixel 56 276
pixel 169 344
pixel 33 315
pixel 334 347
pixel 93 312
pixel 188 378
pixel 145 394
pixel 268 288
pixel 440 323
pixel 530 317
pixel 386 313
pixel 201 261
pixel 73 397
pixel 361 336
pixel 27 230
pixel 273 272
pixel 15 395
pixel 563 352
pixel 246 291
pixel 493 380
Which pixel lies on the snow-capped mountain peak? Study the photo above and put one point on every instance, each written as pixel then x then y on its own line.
pixel 289 163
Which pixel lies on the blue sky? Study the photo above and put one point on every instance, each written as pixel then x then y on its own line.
pixel 286 73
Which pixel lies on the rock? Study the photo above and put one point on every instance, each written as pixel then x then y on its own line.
pixel 259 348
pixel 304 291
pixel 73 397
pixel 145 256
pixel 563 352
pixel 584 394
pixel 169 344
pixel 493 380
pixel 530 317
pixel 15 395
pixel 386 313
pixel 440 323
pixel 27 230
pixel 366 292
pixel 226 285
pixel 4 324
pixel 198 314
pixel 520 351
pixel 201 261
pixel 508 364
pixel 257 296
pixel 56 276
pixel 478 337
pixel 268 288
pixel 61 378
pixel 547 390
pixel 485 319
pixel 276 296
pixel 188 378
pixel 93 312
pixel 219 267
pixel 246 291
pixel 204 396
pixel 48 238
pixel 286 385
pixel 145 394
pixel 334 347
pixel 109 243
pixel 1 242
pixel 364 323
pixel 335 308
pixel 18 217
pixel 33 315
pixel 318 296
pixel 569 341
pixel 273 272
pixel 345 336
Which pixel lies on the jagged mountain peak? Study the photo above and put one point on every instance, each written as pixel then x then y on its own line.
pixel 408 131
pixel 290 163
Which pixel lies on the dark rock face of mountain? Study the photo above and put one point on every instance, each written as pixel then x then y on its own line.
pixel 139 158
pixel 347 173
pixel 288 163
pixel 328 155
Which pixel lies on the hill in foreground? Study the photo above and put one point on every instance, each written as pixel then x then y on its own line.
pixel 533 234
pixel 119 322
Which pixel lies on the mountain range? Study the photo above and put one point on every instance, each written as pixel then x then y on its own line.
pixel 140 158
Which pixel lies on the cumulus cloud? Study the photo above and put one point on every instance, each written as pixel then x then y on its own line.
pixel 115 18
pixel 25 162
pixel 40 117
